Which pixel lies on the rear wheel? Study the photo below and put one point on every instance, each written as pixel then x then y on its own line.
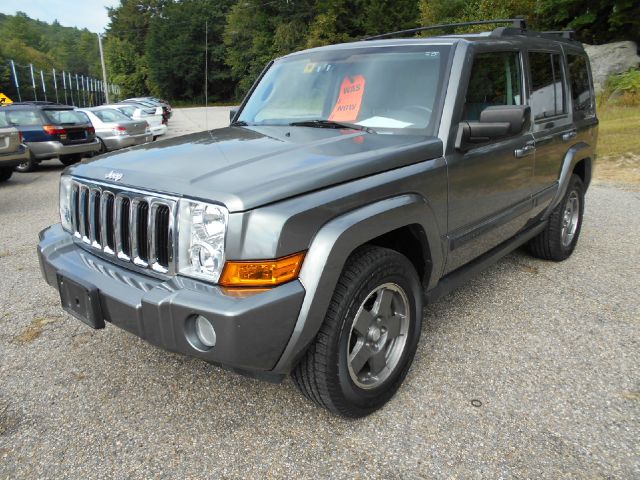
pixel 558 240
pixel 366 344
pixel 70 159
pixel 5 174
pixel 28 165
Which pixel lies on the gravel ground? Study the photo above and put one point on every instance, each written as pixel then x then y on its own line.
pixel 529 371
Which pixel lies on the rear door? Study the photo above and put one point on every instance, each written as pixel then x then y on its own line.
pixel 489 186
pixel 552 126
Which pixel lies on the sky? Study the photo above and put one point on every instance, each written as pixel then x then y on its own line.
pixel 90 14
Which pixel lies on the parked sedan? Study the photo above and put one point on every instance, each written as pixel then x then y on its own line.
pixel 115 130
pixel 12 151
pixel 157 123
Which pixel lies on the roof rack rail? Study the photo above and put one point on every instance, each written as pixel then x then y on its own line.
pixel 517 22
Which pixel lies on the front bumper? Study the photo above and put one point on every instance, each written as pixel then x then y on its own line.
pixel 252 327
pixel 124 141
pixel 14 159
pixel 53 149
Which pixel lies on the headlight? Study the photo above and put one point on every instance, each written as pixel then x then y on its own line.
pixel 65 202
pixel 201 233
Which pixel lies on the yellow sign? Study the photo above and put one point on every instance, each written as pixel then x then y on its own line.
pixel 4 100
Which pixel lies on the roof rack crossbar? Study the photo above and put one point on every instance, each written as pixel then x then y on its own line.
pixel 518 22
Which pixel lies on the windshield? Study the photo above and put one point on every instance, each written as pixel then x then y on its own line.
pixel 110 115
pixel 390 89
pixel 64 117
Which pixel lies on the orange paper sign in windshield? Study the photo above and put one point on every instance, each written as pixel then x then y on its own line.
pixel 348 105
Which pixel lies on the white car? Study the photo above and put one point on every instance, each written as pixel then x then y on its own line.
pixel 155 120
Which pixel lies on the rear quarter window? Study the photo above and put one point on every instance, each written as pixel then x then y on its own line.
pixel 110 115
pixel 65 117
pixel 581 93
pixel 23 118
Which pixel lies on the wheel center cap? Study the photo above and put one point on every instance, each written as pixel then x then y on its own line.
pixel 374 334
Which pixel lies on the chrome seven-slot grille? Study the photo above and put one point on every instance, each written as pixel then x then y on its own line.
pixel 130 225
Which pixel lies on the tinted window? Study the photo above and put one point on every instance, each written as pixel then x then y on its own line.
pixel 547 95
pixel 65 117
pixel 580 86
pixel 110 115
pixel 495 80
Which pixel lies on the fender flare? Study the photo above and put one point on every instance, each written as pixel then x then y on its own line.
pixel 329 251
pixel 576 153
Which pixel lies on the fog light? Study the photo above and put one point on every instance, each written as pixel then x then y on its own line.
pixel 205 332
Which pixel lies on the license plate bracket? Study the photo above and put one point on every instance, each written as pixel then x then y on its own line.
pixel 81 300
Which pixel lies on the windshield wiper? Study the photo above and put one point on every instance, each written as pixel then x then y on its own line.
pixel 331 124
pixel 239 123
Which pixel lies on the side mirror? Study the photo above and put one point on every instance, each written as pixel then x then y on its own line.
pixel 495 122
pixel 232 113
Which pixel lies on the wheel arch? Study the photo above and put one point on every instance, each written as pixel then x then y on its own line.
pixel 382 223
pixel 576 160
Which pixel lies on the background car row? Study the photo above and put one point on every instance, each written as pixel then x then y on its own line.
pixel 31 132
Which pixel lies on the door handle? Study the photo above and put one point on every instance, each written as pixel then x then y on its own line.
pixel 569 135
pixel 524 151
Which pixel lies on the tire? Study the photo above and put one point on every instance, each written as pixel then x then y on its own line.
pixel 26 166
pixel 554 242
pixel 5 174
pixel 326 375
pixel 70 160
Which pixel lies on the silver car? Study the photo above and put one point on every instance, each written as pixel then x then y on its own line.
pixel 12 151
pixel 115 130
pixel 156 121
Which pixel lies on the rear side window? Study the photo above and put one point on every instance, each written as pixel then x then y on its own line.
pixel 583 104
pixel 23 118
pixel 496 79
pixel 65 117
pixel 3 120
pixel 110 115
pixel 547 87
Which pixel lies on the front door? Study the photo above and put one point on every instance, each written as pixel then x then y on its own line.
pixel 489 185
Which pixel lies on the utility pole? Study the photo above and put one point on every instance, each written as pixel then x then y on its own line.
pixel 104 69
pixel 206 73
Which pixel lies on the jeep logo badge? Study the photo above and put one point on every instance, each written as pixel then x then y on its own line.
pixel 114 176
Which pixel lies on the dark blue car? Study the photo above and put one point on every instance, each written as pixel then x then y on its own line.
pixel 52 131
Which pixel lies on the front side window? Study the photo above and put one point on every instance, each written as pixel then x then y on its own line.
pixel 547 91
pixel 394 90
pixel 496 79
pixel 581 95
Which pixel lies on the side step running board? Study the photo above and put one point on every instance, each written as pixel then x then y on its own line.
pixel 460 276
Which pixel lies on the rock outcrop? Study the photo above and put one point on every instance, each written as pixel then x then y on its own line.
pixel 611 58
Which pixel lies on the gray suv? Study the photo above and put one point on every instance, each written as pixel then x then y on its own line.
pixel 356 183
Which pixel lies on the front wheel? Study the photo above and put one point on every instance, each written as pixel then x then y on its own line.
pixel 558 240
pixel 5 174
pixel 366 344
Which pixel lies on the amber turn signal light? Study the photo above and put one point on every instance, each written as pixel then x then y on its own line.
pixel 268 273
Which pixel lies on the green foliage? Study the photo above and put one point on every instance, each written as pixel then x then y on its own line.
pixel 48 46
pixel 623 89
pixel 158 46
pixel 175 51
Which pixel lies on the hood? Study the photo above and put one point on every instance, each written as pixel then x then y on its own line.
pixel 247 167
